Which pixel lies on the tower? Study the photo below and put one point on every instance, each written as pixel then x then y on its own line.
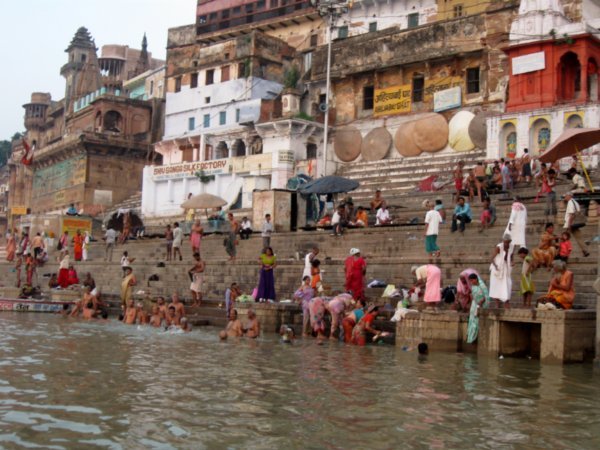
pixel 143 62
pixel 81 72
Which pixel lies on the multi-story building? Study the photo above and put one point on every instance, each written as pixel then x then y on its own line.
pixel 89 147
pixel 554 59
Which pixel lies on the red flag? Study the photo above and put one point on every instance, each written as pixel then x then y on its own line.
pixel 27 158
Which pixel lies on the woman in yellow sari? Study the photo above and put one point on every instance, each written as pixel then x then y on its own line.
pixel 561 292
pixel 545 253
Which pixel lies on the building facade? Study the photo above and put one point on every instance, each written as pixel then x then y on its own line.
pixel 89 147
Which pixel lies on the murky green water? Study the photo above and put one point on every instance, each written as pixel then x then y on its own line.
pixel 66 384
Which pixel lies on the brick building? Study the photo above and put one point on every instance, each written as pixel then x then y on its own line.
pixel 90 146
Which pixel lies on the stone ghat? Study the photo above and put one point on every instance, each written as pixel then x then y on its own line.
pixel 550 336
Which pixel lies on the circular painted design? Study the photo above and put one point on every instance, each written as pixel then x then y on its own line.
pixel 458 135
pixel 404 140
pixel 347 144
pixel 431 133
pixel 376 144
pixel 478 130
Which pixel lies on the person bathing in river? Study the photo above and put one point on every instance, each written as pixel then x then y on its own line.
pixel 365 327
pixel 156 317
pixel 352 319
pixel 179 307
pixel 172 318
pixel 234 326
pixel 131 313
pixel 252 327
pixel 303 296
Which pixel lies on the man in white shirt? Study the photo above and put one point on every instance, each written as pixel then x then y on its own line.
pixel 177 240
pixel 383 215
pixel 246 229
pixel 572 209
pixel 432 227
pixel 267 231
pixel 110 236
pixel 578 181
pixel 338 221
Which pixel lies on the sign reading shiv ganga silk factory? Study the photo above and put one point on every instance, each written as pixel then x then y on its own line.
pixel 189 169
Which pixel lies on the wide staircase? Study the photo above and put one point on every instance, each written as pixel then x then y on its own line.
pixel 390 253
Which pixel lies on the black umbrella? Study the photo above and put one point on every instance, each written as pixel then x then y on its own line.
pixel 328 185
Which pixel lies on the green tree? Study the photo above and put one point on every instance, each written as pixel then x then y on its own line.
pixel 6 148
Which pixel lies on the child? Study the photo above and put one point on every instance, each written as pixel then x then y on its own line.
pixel 527 286
pixel 564 247
pixel 315 273
pixel 126 262
pixel 486 216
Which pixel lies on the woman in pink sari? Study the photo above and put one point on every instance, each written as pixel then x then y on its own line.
pixel 337 306
pixel 463 290
pixel 430 277
pixel 317 309
pixel 11 246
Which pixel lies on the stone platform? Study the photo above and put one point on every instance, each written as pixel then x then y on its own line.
pixel 550 336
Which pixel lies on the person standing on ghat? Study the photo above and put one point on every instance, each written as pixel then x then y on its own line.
pixel 308 262
pixel 196 275
pixel 433 219
pixel 177 241
pixel 267 231
pixel 501 271
pixel 231 239
pixel 517 223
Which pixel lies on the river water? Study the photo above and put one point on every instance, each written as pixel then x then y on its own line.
pixel 68 384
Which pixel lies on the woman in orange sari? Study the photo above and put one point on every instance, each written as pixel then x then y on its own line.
pixel 545 253
pixel 78 246
pixel 561 292
pixel 11 246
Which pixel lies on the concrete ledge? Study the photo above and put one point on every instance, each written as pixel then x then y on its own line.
pixel 443 331
pixel 272 315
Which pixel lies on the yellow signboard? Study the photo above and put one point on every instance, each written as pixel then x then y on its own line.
pixel 18 210
pixel 393 100
pixel 72 224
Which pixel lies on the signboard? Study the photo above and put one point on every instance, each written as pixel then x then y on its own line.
pixel 72 224
pixel 18 210
pixel 286 157
pixel 393 100
pixel 447 99
pixel 434 85
pixel 62 175
pixel 528 63
pixel 188 169
pixel 27 306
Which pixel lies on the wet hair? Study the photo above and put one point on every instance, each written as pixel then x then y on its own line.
pixel 223 335
pixel 196 255
pixel 267 215
pixel 572 171
pixel 315 263
pixel 567 234
pixel 306 278
pixel 523 251
pixel 549 225
pixel 176 224
pixel 473 276
pixel 89 305
pixel 104 314
pixel 269 248
pixel 171 307
pixel 125 254
pixel 552 172
pixel 423 348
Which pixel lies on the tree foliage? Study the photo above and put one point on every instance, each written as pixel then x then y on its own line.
pixel 6 148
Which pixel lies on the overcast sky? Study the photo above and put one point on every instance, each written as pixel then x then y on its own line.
pixel 35 33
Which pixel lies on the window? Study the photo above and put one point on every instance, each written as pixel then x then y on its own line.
pixel 178 84
pixel 307 61
pixel 202 19
pixel 342 32
pixel 83 57
pixel 206 100
pixel 311 151
pixel 237 10
pixel 212 16
pixel 372 27
pixel 413 20
pixel 210 76
pixel 225 14
pixel 322 100
pixel 314 40
pixel 151 87
pixel 473 80
pixel 237 115
pixel 249 7
pixel 206 121
pixel 274 3
pixel 418 85
pixel 191 123
pixel 222 117
pixel 368 94
pixel 260 4
pixel 242 70
pixel 458 10
pixel 224 73
pixel 194 80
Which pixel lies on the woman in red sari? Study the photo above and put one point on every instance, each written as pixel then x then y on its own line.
pixel 63 271
pixel 78 246
pixel 356 267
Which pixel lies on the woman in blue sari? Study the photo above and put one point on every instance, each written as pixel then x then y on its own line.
pixel 266 284
pixel 480 299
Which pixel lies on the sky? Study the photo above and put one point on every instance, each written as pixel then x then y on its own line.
pixel 35 33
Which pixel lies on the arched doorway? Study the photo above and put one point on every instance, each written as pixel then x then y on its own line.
pixel 221 150
pixel 238 148
pixel 569 74
pixel 540 136
pixel 508 140
pixel 113 121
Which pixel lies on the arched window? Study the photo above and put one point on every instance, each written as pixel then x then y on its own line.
pixel 569 74
pixel 222 151
pixel 239 148
pixel 574 121
pixel 113 121
pixel 508 140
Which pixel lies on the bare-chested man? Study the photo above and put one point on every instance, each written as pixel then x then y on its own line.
pixel 89 312
pixel 142 317
pixel 156 318
pixel 377 201
pixel 162 307
pixel 172 318
pixel 197 278
pixel 131 313
pixel 234 326
pixel 179 307
pixel 252 328
pixel 81 305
